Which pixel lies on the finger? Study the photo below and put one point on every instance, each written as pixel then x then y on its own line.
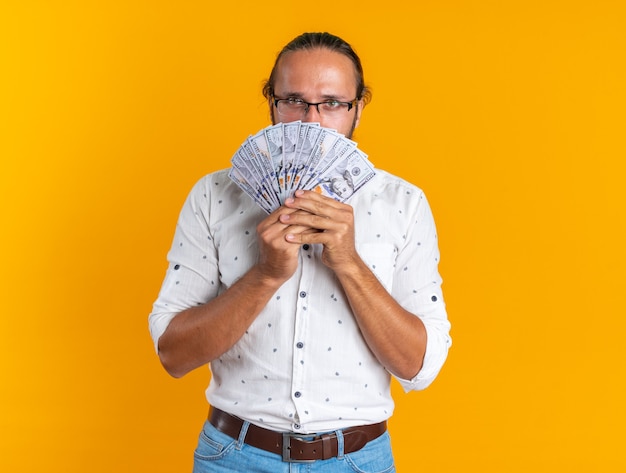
pixel 310 236
pixel 274 230
pixel 273 218
pixel 327 218
pixel 307 219
pixel 313 202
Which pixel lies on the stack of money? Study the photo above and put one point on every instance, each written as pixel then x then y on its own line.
pixel 280 159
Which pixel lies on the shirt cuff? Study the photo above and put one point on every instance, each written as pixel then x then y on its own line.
pixel 437 346
pixel 158 323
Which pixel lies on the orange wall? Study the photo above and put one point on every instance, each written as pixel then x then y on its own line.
pixel 510 115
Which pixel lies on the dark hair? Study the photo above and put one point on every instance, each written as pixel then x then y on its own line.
pixel 308 41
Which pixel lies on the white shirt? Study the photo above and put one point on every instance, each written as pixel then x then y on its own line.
pixel 303 365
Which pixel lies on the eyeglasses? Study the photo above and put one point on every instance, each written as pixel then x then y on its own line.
pixel 293 107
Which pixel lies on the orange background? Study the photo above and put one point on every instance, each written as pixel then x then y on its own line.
pixel 510 115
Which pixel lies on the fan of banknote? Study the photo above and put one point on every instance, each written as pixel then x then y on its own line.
pixel 280 159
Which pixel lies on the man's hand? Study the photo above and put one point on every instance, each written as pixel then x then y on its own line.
pixel 327 221
pixel 278 258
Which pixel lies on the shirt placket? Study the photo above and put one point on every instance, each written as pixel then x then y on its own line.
pixel 299 387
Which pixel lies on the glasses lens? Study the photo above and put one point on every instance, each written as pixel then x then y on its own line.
pixel 291 107
pixel 331 107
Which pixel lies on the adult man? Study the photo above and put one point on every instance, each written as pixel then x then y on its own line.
pixel 306 313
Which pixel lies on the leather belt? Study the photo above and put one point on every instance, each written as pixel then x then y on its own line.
pixel 296 447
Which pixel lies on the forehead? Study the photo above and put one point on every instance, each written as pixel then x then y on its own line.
pixel 317 70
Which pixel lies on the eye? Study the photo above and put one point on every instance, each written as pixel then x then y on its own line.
pixel 332 104
pixel 295 101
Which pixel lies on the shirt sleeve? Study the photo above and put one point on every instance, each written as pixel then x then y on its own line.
pixel 192 275
pixel 417 287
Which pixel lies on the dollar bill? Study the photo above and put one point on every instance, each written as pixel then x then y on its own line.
pixel 326 157
pixel 322 146
pixel 237 175
pixel 306 142
pixel 348 176
pixel 274 140
pixel 246 180
pixel 291 133
pixel 260 151
pixel 261 174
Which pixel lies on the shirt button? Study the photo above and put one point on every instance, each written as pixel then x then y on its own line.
pixel 302 294
pixel 297 394
pixel 305 247
pixel 299 344
pixel 296 426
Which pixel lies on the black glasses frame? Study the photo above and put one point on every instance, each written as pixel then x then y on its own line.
pixel 316 105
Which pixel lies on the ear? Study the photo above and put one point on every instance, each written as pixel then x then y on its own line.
pixel 271 108
pixel 360 105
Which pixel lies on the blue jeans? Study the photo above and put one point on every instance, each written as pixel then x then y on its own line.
pixel 219 453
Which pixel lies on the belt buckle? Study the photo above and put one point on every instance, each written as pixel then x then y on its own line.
pixel 287 436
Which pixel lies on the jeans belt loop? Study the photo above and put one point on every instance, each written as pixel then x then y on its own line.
pixel 340 444
pixel 242 435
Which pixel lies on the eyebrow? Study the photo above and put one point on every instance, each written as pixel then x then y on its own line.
pixel 299 95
